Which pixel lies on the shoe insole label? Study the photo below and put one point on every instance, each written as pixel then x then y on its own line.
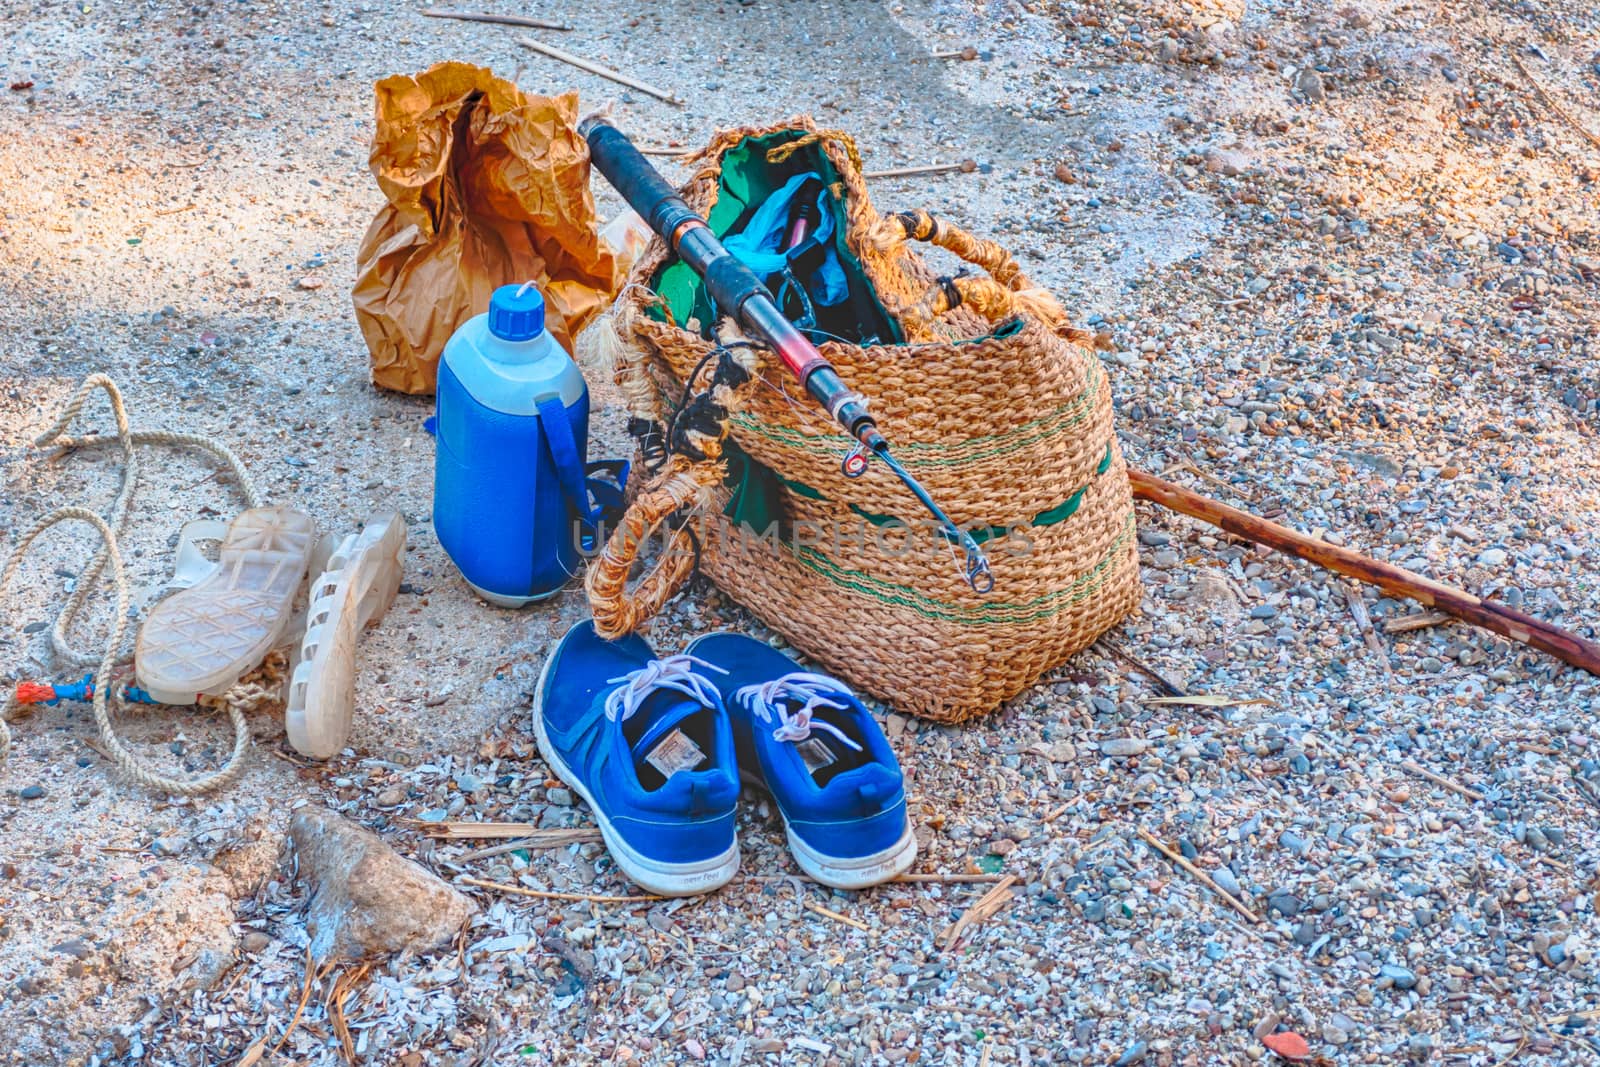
pixel 674 753
pixel 815 754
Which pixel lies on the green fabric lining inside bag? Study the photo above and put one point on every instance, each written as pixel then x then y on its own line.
pixel 746 181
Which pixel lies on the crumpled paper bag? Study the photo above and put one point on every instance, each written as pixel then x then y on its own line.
pixel 487 186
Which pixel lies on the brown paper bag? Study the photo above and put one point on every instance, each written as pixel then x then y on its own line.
pixel 486 186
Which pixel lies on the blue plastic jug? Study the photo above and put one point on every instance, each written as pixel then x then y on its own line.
pixel 511 499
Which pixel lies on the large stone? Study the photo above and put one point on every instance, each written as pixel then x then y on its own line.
pixel 367 899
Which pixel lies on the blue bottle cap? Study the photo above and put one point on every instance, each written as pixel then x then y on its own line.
pixel 516 313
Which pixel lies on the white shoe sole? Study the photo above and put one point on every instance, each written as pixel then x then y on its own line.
pixel 854 872
pixel 844 872
pixel 203 639
pixel 665 879
pixel 355 589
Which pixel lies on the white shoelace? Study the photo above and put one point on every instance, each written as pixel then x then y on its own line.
pixel 812 690
pixel 674 672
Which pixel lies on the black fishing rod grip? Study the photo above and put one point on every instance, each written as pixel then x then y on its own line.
pixel 630 174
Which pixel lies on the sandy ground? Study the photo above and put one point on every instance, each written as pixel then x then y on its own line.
pixel 1346 256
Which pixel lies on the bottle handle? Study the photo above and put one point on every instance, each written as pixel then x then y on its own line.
pixel 570 470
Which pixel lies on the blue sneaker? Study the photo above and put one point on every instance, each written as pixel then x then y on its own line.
pixel 647 743
pixel 810 743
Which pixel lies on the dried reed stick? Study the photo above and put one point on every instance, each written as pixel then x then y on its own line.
pixel 541 894
pixel 966 166
pixel 1552 105
pixel 1420 621
pixel 1176 857
pixel 987 905
pixel 835 916
pixel 499 20
pixel 1422 772
pixel 594 68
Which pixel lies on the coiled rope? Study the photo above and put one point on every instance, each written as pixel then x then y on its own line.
pixel 249 689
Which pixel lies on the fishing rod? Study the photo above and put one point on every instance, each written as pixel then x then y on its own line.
pixel 736 288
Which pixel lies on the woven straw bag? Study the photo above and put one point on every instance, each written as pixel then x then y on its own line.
pixel 991 400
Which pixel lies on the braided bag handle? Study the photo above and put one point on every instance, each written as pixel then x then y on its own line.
pixel 616 610
pixel 1007 291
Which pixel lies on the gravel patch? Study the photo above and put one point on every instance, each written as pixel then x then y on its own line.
pixel 1343 260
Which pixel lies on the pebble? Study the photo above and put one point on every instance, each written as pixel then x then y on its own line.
pixel 1286 904
pixel 1225 878
pixel 1134 1054
pixel 1229 164
pixel 31 792
pixel 75 948
pixel 560 796
pixel 1123 746
pixel 1402 977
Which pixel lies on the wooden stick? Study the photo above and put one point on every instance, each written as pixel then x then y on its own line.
pixel 966 166
pixel 343 987
pixel 915 879
pixel 1396 581
pixel 528 834
pixel 541 894
pixel 1186 464
pixel 312 974
pixel 835 916
pixel 1552 105
pixel 1118 652
pixel 473 831
pixel 664 150
pixel 529 843
pixel 595 68
pixel 1358 608
pixel 1420 621
pixel 1177 857
pixel 1422 772
pixel 988 904
pixel 499 20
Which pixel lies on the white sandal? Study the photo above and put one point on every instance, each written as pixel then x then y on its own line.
pixel 359 584
pixel 201 640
